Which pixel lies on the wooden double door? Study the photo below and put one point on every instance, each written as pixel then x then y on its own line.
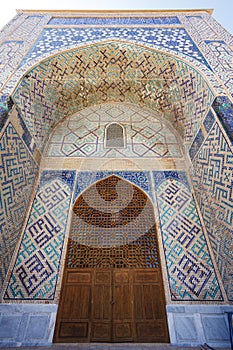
pixel 112 305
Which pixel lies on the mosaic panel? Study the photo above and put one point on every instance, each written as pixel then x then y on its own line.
pixel 20 35
pixel 138 178
pixel 113 20
pixel 83 134
pixel 10 56
pixel 35 272
pixel 113 226
pixel 23 26
pixel 11 26
pixel 213 184
pixel 190 269
pixel 17 173
pixel 217 50
pixel 175 39
pixel 112 72
pixel 223 61
pixel 220 31
pixel 204 28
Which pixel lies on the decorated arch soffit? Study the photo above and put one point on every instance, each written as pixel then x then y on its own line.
pixel 143 133
pixel 116 71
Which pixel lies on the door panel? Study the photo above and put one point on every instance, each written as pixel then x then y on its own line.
pixel 74 313
pixel 101 306
pixel 149 307
pixel 112 305
pixel 122 306
pixel 73 330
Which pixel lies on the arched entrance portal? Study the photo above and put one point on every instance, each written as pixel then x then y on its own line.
pixel 112 288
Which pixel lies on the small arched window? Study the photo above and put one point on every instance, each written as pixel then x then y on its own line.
pixel 114 136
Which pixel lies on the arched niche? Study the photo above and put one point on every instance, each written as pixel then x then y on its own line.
pixel 112 270
pixel 61 85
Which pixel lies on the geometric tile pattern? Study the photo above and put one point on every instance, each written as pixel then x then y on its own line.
pixel 113 225
pixel 10 58
pixel 223 61
pixel 112 72
pixel 17 174
pixel 16 39
pixel 113 79
pixel 190 269
pixel 176 39
pixel 87 178
pixel 35 272
pixel 213 183
pixel 216 45
pixel 83 134
pixel 204 29
pixel 59 21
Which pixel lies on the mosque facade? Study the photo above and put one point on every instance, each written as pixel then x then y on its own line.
pixel 116 163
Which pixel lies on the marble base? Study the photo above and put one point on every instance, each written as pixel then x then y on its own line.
pixel 189 325
pixel 193 325
pixel 27 324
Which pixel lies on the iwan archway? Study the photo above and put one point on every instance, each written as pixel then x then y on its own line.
pixel 163 107
pixel 112 286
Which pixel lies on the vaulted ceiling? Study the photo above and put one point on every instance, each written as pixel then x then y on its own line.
pixel 112 72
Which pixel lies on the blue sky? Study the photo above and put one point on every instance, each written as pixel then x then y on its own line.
pixel 223 9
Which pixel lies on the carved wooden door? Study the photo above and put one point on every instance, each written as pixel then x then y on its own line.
pixel 112 305
pixel 112 288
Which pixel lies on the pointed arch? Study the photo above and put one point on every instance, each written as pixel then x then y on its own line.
pixel 112 271
pixel 113 218
pixel 162 89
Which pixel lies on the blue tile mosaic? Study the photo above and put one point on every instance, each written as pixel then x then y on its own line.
pixel 160 176
pixel 87 178
pixel 65 175
pixel 113 20
pixel 213 184
pixel 214 41
pixel 199 17
pixel 18 171
pixel 35 272
pixel 196 144
pixel 26 136
pixel 209 121
pixel 176 39
pixel 221 60
pixel 190 268
pixel 37 95
pixel 223 107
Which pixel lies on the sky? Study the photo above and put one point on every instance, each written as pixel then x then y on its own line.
pixel 223 9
